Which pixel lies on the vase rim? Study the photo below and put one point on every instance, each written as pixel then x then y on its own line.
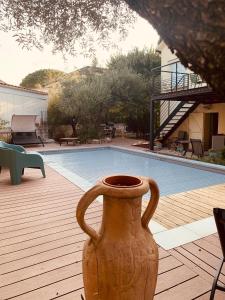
pixel 122 181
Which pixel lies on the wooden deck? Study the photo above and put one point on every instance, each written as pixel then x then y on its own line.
pixel 187 207
pixel 41 242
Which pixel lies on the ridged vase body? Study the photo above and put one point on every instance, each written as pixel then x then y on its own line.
pixel 121 261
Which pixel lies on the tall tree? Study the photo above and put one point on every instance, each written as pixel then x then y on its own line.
pixel 129 95
pixel 194 29
pixel 133 87
pixel 138 61
pixel 40 78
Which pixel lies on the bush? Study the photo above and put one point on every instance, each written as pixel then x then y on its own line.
pixel 62 131
pixel 3 124
pixel 223 153
pixel 87 133
pixel 215 153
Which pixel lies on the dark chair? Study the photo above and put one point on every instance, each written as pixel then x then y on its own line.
pixel 181 143
pixel 219 215
pixel 26 138
pixel 182 136
pixel 197 147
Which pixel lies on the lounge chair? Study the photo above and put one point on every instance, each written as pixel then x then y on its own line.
pixel 197 147
pixel 17 159
pixel 24 130
pixel 219 215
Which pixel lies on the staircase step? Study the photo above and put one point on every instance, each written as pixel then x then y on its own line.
pixel 168 128
pixel 187 106
pixel 182 111
pixel 175 119
pixel 179 115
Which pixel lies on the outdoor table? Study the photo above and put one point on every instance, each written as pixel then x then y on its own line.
pixel 67 140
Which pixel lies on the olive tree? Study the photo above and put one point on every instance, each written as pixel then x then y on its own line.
pixel 132 87
pixel 193 29
pixel 115 96
pixel 129 96
pixel 85 102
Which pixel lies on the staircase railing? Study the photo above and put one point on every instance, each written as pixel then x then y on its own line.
pixel 166 107
pixel 169 118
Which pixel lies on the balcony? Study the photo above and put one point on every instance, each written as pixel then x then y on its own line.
pixel 172 82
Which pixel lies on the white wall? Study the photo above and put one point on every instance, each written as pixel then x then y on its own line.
pixel 167 57
pixel 21 102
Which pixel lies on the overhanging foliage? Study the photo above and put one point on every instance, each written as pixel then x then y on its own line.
pixel 194 29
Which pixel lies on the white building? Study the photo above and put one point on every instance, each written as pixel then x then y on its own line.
pixel 22 101
pixel 187 104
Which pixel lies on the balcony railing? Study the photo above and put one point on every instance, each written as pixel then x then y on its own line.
pixel 169 78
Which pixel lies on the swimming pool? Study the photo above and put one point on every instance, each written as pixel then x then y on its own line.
pixel 93 164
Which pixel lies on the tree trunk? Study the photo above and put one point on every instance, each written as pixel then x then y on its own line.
pixel 74 125
pixel 194 30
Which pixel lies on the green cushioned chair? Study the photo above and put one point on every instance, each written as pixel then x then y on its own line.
pixel 12 146
pixel 17 159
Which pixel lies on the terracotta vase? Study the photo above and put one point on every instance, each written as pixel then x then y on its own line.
pixel 121 261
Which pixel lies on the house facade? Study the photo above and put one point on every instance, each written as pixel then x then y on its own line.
pixel 187 103
pixel 21 101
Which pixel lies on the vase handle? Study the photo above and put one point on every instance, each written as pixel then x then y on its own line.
pixel 82 206
pixel 150 209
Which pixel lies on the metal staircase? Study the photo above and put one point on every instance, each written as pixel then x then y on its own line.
pixel 174 118
pixel 179 92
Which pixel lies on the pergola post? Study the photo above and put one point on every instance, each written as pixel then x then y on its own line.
pixel 151 132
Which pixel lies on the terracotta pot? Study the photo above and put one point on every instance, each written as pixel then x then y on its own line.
pixel 121 261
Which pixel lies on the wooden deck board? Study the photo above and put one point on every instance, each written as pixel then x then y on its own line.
pixel 41 242
pixel 187 207
pixel 185 291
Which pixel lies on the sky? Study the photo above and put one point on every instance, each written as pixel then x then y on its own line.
pixel 16 62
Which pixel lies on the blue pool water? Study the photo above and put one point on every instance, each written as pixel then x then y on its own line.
pixel 172 178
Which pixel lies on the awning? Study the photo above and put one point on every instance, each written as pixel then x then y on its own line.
pixel 24 123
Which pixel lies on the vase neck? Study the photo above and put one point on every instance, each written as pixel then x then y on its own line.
pixel 121 217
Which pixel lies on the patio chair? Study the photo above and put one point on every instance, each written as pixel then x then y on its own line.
pixel 24 130
pixel 12 146
pixel 197 148
pixel 17 160
pixel 219 215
